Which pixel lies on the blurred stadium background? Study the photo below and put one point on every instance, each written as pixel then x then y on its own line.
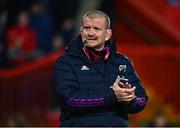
pixel 147 31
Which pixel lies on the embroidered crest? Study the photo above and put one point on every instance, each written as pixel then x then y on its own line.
pixel 122 68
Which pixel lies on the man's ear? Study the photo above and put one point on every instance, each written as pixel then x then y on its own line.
pixel 108 34
pixel 81 29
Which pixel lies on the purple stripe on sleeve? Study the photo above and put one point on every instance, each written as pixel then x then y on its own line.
pixel 86 102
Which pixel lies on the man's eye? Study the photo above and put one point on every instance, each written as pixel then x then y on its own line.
pixel 86 28
pixel 97 29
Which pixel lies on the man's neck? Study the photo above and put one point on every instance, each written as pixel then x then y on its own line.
pixel 99 49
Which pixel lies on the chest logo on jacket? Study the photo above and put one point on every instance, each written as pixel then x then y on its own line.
pixel 84 67
pixel 122 68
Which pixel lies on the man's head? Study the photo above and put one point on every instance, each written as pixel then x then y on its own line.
pixel 95 29
pixel 22 19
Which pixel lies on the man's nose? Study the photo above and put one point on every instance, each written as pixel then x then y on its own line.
pixel 91 32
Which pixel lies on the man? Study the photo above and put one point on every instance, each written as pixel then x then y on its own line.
pixel 96 85
pixel 21 41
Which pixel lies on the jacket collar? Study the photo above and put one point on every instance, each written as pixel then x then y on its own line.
pixel 75 48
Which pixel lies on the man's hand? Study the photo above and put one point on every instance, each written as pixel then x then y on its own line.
pixel 123 92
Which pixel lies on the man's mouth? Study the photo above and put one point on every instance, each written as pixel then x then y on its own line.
pixel 92 39
pixel 88 40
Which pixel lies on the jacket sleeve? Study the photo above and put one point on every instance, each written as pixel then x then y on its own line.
pixel 74 98
pixel 139 102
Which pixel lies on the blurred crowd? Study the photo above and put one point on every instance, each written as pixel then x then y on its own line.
pixel 29 30
pixel 31 35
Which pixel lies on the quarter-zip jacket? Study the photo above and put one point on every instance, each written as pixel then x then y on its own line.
pixel 85 96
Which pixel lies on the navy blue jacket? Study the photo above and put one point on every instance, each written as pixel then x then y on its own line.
pixel 85 96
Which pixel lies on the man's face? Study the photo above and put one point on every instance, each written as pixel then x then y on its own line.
pixel 94 32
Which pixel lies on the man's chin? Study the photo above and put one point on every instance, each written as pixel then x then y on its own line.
pixel 89 46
